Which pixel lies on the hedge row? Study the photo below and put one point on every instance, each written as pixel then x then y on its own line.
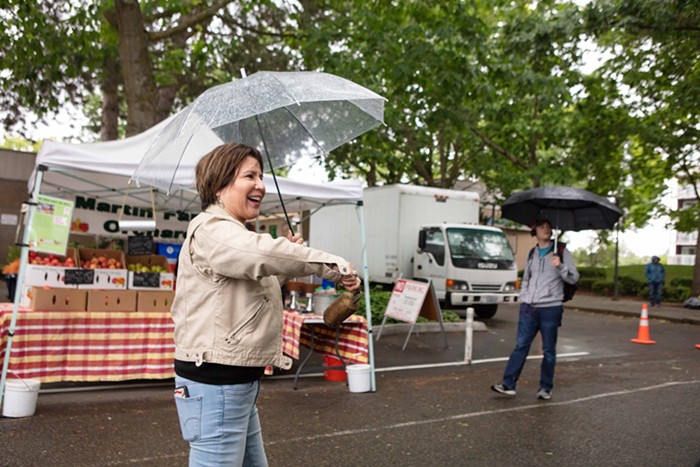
pixel 594 280
pixel 675 291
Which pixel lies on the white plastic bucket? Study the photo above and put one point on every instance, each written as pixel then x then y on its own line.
pixel 20 397
pixel 358 377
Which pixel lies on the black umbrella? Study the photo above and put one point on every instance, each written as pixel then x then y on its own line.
pixel 565 207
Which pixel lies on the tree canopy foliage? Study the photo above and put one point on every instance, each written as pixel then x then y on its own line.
pixel 653 48
pixel 474 89
pixel 153 55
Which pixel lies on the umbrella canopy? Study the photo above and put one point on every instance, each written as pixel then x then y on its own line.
pixel 566 208
pixel 285 115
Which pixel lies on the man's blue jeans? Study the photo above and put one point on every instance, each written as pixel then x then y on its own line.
pixel 655 293
pixel 546 320
pixel 221 424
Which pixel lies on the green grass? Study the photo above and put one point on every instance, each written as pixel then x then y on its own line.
pixel 637 272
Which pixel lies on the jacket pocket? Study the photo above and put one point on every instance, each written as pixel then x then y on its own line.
pixel 246 326
pixel 189 412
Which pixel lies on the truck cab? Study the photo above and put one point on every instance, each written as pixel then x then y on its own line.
pixel 469 265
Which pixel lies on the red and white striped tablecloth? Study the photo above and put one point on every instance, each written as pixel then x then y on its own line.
pixel 53 346
pixel 352 339
pixel 82 346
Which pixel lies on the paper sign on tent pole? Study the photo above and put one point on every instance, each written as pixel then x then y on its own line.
pixel 411 299
pixel 50 226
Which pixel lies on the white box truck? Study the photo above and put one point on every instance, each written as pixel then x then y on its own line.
pixel 424 233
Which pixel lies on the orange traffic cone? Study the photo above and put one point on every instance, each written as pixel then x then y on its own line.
pixel 643 335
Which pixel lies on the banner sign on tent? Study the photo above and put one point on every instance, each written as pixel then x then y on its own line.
pixel 50 226
pixel 97 217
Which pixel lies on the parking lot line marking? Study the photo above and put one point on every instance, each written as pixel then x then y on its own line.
pixel 438 365
pixel 474 362
pixel 481 413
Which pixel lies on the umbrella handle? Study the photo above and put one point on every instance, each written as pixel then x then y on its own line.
pixel 274 177
pixel 279 193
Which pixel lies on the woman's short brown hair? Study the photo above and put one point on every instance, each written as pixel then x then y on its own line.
pixel 218 168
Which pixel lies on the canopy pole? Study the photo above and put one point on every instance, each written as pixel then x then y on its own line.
pixel 23 260
pixel 368 308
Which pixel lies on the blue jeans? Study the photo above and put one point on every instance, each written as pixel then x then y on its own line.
pixel 221 424
pixel 655 293
pixel 546 320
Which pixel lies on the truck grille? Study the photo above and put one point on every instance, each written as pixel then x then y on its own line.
pixel 486 288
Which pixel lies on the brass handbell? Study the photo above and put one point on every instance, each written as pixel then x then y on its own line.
pixel 343 306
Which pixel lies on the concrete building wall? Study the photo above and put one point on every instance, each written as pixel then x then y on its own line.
pixel 15 169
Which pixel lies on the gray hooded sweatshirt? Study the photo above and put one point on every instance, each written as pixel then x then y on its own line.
pixel 543 284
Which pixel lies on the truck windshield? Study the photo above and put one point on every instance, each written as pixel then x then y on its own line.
pixel 479 249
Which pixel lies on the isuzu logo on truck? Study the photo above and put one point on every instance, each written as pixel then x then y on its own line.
pixel 487 265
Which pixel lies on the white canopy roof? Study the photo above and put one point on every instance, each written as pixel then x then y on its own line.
pixel 103 170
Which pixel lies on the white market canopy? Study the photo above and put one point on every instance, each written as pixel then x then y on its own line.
pixel 102 170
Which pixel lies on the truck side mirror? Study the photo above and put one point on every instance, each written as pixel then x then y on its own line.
pixel 421 240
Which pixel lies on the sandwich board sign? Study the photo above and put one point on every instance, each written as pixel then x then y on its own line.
pixel 411 299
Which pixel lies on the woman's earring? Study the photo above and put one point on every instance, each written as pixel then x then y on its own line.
pixel 219 202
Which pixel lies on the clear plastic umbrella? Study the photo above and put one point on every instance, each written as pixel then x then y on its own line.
pixel 285 115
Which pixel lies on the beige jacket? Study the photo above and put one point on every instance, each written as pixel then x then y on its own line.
pixel 228 303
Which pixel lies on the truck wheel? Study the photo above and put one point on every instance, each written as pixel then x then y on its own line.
pixel 485 311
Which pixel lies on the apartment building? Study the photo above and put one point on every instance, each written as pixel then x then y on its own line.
pixel 683 244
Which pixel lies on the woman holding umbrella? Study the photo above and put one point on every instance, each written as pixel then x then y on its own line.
pixel 540 309
pixel 228 309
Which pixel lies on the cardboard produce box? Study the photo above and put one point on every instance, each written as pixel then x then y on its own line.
pixel 57 299
pixel 109 267
pixel 155 301
pixel 149 272
pixel 111 300
pixel 50 270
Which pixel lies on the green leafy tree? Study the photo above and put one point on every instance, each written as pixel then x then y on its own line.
pixel 415 54
pixel 654 49
pixel 483 89
pixel 17 143
pixel 154 55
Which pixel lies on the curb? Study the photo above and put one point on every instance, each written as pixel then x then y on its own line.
pixel 629 314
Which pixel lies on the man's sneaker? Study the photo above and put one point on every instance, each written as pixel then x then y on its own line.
pixel 499 388
pixel 544 394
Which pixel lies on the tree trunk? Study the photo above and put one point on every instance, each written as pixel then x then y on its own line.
pixel 696 270
pixel 137 71
pixel 110 100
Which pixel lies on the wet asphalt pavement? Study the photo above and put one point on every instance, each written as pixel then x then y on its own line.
pixel 615 403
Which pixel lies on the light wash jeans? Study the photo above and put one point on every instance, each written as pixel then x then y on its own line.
pixel 546 320
pixel 221 424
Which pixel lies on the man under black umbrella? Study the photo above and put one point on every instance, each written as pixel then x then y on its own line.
pixel 541 309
